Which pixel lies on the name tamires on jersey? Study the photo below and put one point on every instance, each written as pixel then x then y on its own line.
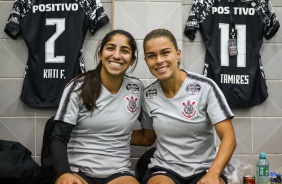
pixel 241 77
pixel 54 32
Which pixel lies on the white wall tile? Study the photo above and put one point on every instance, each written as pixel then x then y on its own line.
pixel 267 135
pixel 272 107
pixel 184 2
pixel 89 51
pixel 275 163
pixel 45 112
pixel 141 71
pixel 271 55
pixel 243 132
pixel 131 17
pixel 11 106
pixel 193 57
pixel 13 56
pixel 166 15
pixel 19 130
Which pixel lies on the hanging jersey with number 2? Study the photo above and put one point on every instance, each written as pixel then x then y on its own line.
pixel 54 31
pixel 240 75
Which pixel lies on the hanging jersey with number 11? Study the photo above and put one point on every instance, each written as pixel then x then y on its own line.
pixel 54 31
pixel 233 34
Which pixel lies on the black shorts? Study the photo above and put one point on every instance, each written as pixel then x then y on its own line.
pixel 176 177
pixel 91 180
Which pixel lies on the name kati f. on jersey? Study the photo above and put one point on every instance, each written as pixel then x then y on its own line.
pixel 54 32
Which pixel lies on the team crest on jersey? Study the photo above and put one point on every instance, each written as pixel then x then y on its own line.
pixel 193 88
pixel 132 88
pixel 189 110
pixel 131 105
pixel 151 93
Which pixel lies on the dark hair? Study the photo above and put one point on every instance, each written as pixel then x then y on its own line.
pixel 157 33
pixel 91 88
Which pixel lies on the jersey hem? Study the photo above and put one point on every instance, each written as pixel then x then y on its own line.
pixel 249 105
pixel 39 105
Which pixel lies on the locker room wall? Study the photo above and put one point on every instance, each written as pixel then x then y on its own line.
pixel 257 129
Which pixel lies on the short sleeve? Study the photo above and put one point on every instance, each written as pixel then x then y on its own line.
pixel 19 11
pixel 96 14
pixel 146 120
pixel 266 13
pixel 199 10
pixel 69 105
pixel 12 27
pixel 217 106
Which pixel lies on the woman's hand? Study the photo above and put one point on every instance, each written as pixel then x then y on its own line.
pixel 68 178
pixel 211 179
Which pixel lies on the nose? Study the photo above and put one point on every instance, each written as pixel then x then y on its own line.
pixel 160 59
pixel 117 54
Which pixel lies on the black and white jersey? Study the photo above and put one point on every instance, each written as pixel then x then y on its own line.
pixel 54 33
pixel 241 76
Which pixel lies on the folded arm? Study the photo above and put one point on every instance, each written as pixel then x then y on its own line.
pixel 144 137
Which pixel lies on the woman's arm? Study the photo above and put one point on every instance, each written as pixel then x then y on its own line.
pixel 60 138
pixel 226 134
pixel 144 137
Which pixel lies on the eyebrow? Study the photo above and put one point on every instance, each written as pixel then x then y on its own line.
pixel 161 50
pixel 114 45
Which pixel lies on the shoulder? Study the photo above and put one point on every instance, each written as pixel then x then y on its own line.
pixel 200 5
pixel 90 4
pixel 200 78
pixel 153 85
pixel 133 79
pixel 75 83
pixel 262 6
pixel 151 90
pixel 200 82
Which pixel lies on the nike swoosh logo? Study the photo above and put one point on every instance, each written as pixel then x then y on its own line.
pixel 153 110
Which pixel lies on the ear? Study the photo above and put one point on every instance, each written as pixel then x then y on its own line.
pixel 178 55
pixel 99 56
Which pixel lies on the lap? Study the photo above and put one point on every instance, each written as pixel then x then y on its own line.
pixel 165 176
pixel 124 180
pixel 157 179
pixel 118 178
pixel 160 176
pixel 81 179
